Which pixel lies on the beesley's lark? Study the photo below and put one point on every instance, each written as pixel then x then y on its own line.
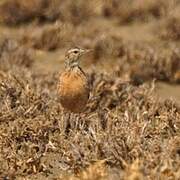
pixel 73 87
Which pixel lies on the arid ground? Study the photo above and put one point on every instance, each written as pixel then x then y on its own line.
pixel 130 129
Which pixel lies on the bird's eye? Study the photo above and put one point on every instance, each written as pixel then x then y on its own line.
pixel 75 51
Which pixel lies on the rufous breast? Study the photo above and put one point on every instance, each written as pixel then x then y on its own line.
pixel 73 90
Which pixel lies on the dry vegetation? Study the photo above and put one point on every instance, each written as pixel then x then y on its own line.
pixel 172 29
pixel 126 131
pixel 129 11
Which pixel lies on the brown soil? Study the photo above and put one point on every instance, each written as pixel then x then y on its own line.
pixel 131 127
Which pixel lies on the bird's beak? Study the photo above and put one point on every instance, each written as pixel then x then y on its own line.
pixel 84 51
pixel 88 50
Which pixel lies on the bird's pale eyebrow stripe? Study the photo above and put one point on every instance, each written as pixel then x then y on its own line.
pixel 72 50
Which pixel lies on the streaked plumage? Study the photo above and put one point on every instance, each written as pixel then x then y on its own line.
pixel 73 87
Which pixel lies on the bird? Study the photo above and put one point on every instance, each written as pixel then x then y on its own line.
pixel 73 85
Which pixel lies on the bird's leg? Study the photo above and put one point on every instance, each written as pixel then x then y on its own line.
pixel 76 121
pixel 67 123
pixel 64 124
pixel 82 121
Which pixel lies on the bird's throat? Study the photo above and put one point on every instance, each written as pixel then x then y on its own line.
pixel 71 65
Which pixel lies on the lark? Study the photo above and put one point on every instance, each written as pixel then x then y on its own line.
pixel 73 86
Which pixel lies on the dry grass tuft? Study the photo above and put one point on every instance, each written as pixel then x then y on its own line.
pixel 140 62
pixel 156 65
pixel 15 12
pixel 20 11
pixel 133 171
pixel 171 29
pixel 96 171
pixel 77 11
pixel 12 53
pixel 49 37
pixel 129 11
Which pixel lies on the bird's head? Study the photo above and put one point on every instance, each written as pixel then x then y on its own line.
pixel 73 55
